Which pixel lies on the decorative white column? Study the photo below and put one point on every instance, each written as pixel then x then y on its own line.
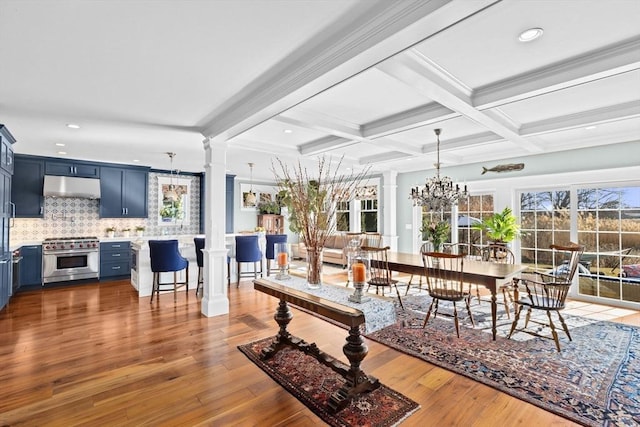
pixel 389 203
pixel 214 297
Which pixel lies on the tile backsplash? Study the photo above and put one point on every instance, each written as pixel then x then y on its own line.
pixel 72 217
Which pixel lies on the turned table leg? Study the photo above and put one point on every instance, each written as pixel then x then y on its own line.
pixel 356 380
pixel 283 316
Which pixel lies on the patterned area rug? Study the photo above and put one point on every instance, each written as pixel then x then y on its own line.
pixel 594 381
pixel 312 383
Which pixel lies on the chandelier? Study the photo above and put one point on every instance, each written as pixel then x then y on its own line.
pixel 438 193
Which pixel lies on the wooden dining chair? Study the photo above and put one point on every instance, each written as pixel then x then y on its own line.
pixel 444 273
pixel 550 293
pixel 424 248
pixel 380 272
pixel 502 255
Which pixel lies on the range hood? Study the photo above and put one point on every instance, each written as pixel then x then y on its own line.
pixel 71 186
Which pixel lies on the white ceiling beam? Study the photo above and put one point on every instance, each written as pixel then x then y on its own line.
pixel 464 142
pixel 340 129
pixel 411 69
pixel 377 30
pixel 584 118
pixel 323 145
pixel 406 120
pixel 601 63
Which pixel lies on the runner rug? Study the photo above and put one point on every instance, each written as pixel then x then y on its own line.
pixel 594 381
pixel 312 383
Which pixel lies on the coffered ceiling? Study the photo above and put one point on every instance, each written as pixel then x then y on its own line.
pixel 360 79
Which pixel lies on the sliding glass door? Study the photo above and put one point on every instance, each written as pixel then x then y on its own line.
pixel 606 220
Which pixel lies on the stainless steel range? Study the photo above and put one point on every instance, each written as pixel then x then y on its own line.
pixel 70 258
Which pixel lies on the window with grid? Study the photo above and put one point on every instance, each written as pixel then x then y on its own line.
pixel 471 211
pixel 545 218
pixel 609 228
pixel 342 216
pixel 369 215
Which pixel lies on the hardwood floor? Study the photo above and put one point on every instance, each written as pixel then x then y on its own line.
pixel 95 354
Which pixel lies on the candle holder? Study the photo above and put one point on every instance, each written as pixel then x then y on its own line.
pixel 352 250
pixel 360 273
pixel 282 253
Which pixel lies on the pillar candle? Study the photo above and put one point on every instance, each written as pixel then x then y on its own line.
pixel 359 272
pixel 282 259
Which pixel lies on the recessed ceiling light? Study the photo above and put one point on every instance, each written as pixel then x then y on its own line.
pixel 590 127
pixel 530 34
pixel 62 152
pixel 287 131
pixel 73 126
pixel 136 160
pixel 59 144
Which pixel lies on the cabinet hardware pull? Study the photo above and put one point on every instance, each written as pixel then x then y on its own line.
pixel 13 214
pixel 115 268
pixel 115 254
pixel 115 246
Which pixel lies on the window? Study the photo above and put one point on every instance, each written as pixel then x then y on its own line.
pixel 544 219
pixel 369 215
pixel 342 216
pixel 608 225
pixel 470 211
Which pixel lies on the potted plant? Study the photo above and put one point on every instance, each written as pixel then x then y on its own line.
pixel 111 231
pixel 501 227
pixel 139 230
pixel 436 233
pixel 125 232
pixel 269 207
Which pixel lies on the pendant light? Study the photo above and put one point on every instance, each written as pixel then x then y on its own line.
pixel 171 195
pixel 250 198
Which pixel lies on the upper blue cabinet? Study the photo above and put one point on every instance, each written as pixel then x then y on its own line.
pixel 26 191
pixel 123 192
pixel 72 168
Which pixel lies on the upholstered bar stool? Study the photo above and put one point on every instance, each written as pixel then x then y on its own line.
pixel 272 239
pixel 248 250
pixel 165 257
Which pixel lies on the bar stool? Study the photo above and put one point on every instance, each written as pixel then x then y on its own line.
pixel 272 239
pixel 248 250
pixel 165 257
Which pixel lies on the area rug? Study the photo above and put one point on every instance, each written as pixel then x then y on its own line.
pixel 312 383
pixel 594 381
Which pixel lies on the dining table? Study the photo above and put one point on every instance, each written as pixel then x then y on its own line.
pixel 488 274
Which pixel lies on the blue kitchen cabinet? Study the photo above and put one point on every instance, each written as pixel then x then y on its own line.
pixel 115 259
pixel 72 168
pixel 26 189
pixel 6 211
pixel 124 192
pixel 31 265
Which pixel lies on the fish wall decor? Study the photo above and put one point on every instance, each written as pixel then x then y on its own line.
pixel 504 168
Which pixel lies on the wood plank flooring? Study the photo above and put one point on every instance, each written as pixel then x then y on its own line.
pixel 95 355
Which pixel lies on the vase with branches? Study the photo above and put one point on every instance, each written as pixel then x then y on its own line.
pixel 312 200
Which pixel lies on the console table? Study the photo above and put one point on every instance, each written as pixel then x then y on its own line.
pixel 355 349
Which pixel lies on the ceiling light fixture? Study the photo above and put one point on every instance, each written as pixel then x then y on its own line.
pixel 171 195
pixel 59 144
pixel 250 198
pixel 591 127
pixel 62 152
pixel 73 126
pixel 287 131
pixel 530 35
pixel 438 192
